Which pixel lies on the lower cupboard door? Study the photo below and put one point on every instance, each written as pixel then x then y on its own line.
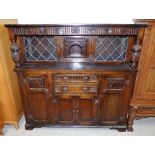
pixel 40 109
pixel 115 101
pixel 64 112
pixel 87 111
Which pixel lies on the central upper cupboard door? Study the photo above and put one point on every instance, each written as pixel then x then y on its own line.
pixel 76 48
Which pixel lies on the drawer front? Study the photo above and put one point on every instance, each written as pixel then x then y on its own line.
pixel 69 78
pixel 150 111
pixel 76 89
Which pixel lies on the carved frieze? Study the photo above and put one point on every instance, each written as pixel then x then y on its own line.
pixel 73 30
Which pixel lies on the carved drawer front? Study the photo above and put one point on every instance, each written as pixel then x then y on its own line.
pixel 76 78
pixel 150 111
pixel 76 89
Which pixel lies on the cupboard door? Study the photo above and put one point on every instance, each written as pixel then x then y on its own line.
pixel 114 102
pixel 87 111
pixel 65 112
pixel 38 99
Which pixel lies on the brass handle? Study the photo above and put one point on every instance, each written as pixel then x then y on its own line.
pixel 96 101
pixel 65 89
pixel 65 78
pixel 86 78
pixel 85 89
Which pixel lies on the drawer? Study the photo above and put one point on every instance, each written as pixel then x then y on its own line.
pixel 150 111
pixel 76 89
pixel 76 78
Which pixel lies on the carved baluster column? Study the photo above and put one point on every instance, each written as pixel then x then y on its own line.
pixel 136 50
pixel 15 53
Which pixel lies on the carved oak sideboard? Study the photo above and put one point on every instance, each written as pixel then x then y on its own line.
pixel 76 75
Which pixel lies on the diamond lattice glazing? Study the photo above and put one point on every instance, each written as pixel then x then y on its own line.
pixel 40 48
pixel 111 48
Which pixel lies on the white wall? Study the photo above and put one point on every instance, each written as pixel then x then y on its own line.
pixel 76 11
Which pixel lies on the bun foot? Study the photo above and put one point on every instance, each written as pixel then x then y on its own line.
pixel 130 129
pixel 29 127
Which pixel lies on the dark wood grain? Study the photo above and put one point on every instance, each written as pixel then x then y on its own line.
pixel 74 88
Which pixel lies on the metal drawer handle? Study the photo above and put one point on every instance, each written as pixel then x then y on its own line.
pixel 85 89
pixel 96 101
pixel 65 78
pixel 65 89
pixel 86 78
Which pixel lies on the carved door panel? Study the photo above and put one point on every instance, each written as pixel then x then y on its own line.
pixel 114 101
pixel 38 99
pixel 87 111
pixel 64 111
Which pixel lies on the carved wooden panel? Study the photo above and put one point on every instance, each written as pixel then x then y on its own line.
pixel 76 84
pixel 37 83
pixel 76 30
pixel 115 83
pixel 75 89
pixel 76 78
pixel 75 47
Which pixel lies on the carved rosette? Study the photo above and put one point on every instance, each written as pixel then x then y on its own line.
pixel 136 51
pixel 15 53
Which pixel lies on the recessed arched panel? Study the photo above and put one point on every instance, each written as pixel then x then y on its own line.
pixel 75 51
pixel 75 47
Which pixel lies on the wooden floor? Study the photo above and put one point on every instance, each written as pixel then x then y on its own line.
pixel 143 127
